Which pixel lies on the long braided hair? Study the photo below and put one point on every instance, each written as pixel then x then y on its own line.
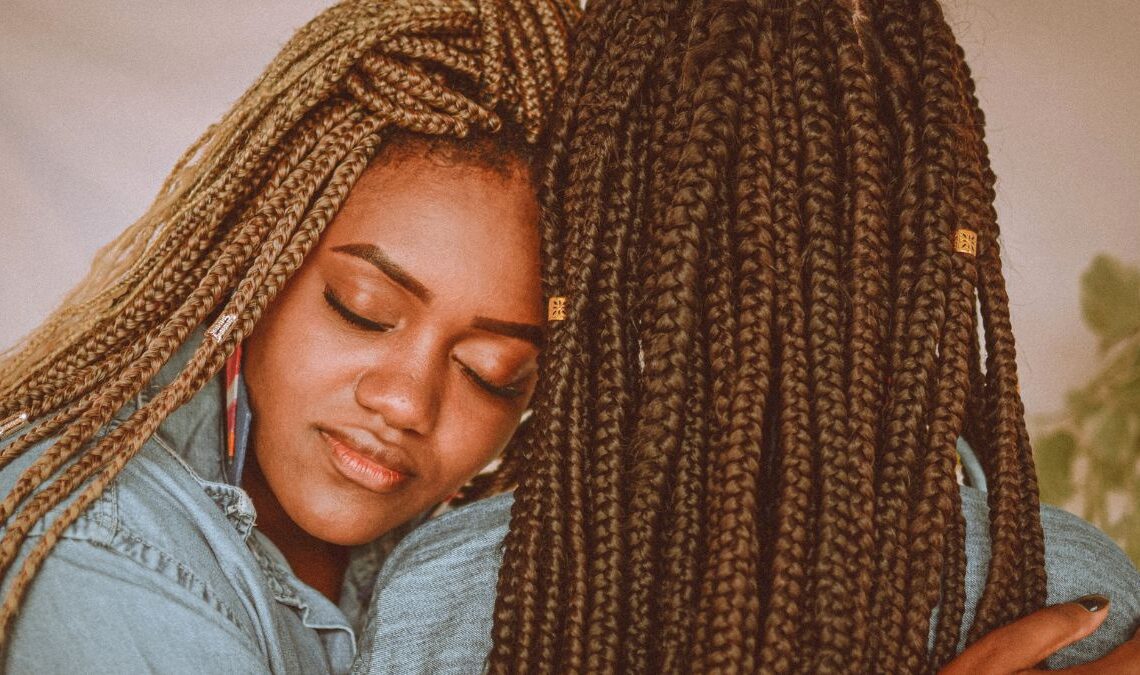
pixel 742 457
pixel 236 218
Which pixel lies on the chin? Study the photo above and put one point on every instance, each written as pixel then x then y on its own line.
pixel 342 524
pixel 338 534
pixel 342 538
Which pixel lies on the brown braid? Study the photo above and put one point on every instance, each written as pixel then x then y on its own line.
pixel 237 217
pixel 742 457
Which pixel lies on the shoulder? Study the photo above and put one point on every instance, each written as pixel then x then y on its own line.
pixel 156 501
pixel 91 605
pixel 152 556
pixel 1079 560
pixel 434 600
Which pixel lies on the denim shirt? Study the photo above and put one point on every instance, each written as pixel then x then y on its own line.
pixel 435 597
pixel 165 572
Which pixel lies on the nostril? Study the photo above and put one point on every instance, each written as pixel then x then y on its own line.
pixel 404 402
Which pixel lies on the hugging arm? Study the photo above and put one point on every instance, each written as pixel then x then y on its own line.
pixel 434 600
pixel 1079 560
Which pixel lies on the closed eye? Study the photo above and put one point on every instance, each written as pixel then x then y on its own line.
pixel 509 392
pixel 351 316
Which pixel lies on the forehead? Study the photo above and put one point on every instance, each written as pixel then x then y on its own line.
pixel 414 199
pixel 451 225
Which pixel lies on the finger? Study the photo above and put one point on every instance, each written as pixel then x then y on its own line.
pixel 1030 639
pixel 1124 660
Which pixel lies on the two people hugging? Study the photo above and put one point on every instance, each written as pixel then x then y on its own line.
pixel 726 259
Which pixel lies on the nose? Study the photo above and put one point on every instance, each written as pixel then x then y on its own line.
pixel 405 392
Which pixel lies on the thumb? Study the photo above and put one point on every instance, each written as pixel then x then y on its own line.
pixel 1032 638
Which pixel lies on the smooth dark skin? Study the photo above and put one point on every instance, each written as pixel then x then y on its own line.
pixel 409 336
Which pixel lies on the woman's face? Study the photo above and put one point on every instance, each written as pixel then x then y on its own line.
pixel 397 361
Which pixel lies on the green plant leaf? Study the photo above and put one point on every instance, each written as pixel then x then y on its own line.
pixel 1083 403
pixel 1054 456
pixel 1110 299
pixel 1112 451
pixel 1126 392
pixel 1102 426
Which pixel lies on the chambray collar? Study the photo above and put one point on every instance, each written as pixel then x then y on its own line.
pixel 195 434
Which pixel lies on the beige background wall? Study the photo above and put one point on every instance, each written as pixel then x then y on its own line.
pixel 98 99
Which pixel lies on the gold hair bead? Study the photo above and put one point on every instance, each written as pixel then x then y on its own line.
pixel 556 308
pixel 222 327
pixel 966 241
pixel 12 423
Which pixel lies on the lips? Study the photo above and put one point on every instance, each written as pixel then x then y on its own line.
pixel 371 466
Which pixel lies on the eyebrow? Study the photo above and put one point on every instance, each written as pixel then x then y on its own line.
pixel 382 262
pixel 371 253
pixel 524 331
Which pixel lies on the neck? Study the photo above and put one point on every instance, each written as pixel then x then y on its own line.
pixel 316 562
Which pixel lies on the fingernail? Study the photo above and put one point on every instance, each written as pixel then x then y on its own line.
pixel 1093 603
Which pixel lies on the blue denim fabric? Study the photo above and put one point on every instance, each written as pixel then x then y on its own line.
pixel 434 599
pixel 166 573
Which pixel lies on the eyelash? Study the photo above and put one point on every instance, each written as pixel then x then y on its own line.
pixel 352 317
pixel 509 392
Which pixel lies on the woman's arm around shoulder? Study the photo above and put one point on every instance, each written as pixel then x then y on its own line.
pixel 434 600
pixel 1079 560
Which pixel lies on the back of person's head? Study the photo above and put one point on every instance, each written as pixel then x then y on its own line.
pixel 773 226
pixel 241 210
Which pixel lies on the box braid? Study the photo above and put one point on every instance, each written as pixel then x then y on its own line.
pixel 237 216
pixel 742 457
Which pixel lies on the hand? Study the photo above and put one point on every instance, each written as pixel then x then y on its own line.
pixel 1019 646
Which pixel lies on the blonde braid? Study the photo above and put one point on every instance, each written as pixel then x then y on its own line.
pixel 158 352
pixel 235 219
pixel 80 370
pixel 245 237
pixel 208 357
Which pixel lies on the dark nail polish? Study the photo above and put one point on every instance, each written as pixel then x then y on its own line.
pixel 1093 603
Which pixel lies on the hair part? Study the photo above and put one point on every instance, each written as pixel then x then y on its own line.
pixel 505 152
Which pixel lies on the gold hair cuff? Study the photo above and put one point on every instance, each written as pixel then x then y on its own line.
pixel 222 327
pixel 556 308
pixel 12 423
pixel 966 241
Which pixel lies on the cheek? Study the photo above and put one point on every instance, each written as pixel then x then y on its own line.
pixel 474 437
pixel 288 362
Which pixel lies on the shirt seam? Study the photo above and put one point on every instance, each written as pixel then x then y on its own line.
pixel 130 545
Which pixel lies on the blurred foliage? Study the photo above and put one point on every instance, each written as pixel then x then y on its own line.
pixel 1089 458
